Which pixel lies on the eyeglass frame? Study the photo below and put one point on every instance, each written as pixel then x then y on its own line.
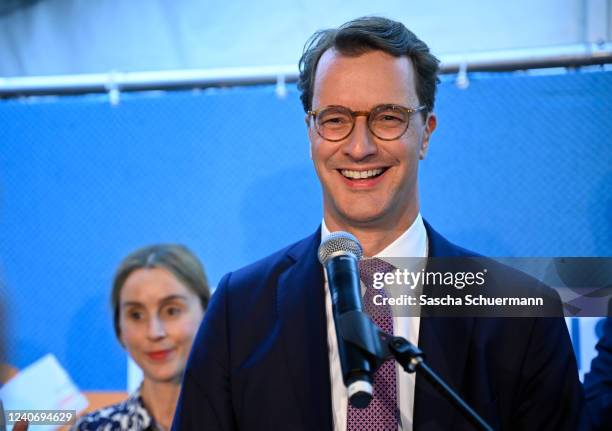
pixel 354 114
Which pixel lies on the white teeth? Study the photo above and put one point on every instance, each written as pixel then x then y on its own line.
pixel 360 174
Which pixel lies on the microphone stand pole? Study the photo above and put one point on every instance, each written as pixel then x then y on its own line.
pixel 411 359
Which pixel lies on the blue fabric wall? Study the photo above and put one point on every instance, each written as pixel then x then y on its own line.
pixel 519 166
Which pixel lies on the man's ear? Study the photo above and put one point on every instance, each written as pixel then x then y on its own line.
pixel 430 125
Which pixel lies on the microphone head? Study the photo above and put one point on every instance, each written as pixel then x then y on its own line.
pixel 339 243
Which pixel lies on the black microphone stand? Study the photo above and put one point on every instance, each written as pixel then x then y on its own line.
pixel 411 359
pixel 357 328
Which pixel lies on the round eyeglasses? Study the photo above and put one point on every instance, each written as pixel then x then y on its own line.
pixel 387 122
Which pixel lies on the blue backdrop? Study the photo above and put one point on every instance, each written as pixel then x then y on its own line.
pixel 519 166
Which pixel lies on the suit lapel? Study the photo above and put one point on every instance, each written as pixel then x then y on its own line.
pixel 445 341
pixel 303 326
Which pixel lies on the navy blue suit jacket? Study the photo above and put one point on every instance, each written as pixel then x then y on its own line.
pixel 260 359
pixel 598 382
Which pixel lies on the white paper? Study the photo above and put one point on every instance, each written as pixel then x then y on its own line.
pixel 44 385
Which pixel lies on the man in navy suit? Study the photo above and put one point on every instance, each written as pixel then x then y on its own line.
pixel 266 356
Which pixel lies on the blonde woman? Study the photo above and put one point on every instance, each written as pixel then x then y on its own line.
pixel 159 296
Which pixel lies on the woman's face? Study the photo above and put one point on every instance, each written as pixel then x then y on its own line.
pixel 158 318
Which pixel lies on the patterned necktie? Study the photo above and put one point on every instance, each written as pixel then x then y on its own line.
pixel 382 413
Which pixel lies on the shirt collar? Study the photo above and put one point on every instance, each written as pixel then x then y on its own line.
pixel 412 243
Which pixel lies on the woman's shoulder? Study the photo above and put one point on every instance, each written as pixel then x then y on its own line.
pixel 129 414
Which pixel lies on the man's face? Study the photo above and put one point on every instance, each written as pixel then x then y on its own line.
pixel 388 197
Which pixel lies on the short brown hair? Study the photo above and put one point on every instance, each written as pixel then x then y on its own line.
pixel 365 34
pixel 176 258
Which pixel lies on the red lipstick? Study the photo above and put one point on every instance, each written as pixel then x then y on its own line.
pixel 159 355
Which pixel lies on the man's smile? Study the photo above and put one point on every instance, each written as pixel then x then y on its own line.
pixel 361 174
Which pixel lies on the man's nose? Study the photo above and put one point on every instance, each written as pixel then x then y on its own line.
pixel 360 143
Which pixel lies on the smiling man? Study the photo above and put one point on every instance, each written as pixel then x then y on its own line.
pixel 266 356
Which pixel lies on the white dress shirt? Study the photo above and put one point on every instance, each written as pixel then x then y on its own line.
pixel 412 243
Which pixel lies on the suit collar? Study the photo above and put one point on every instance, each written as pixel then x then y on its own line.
pixel 306 248
pixel 441 247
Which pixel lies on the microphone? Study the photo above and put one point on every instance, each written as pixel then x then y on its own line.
pixel 339 253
